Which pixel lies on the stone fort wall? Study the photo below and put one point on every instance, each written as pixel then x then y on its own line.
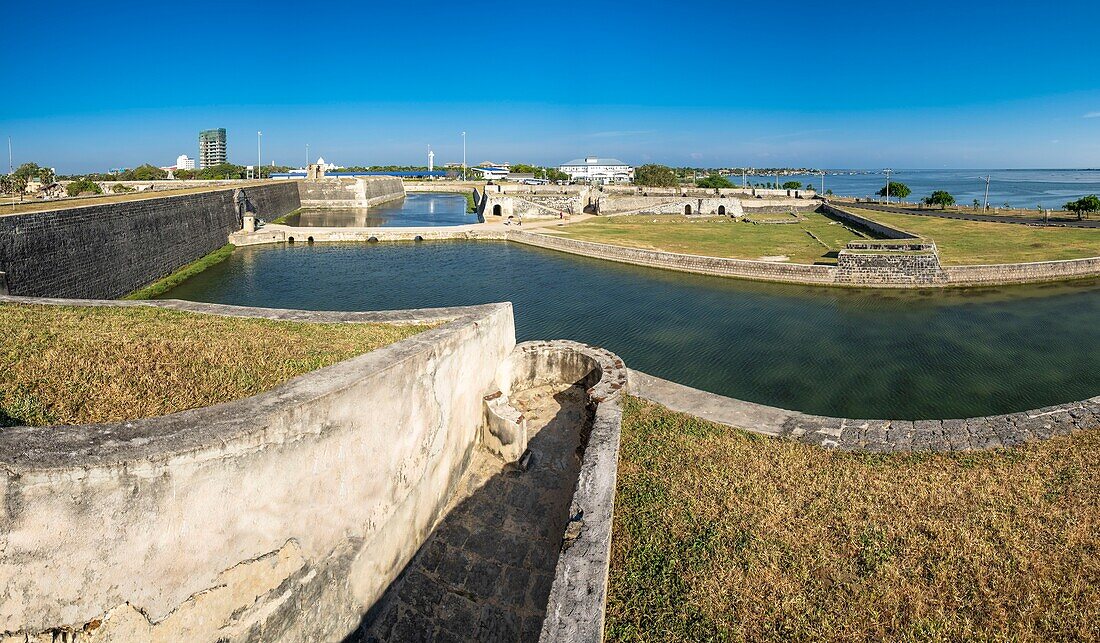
pixel 358 192
pixel 283 516
pixel 109 250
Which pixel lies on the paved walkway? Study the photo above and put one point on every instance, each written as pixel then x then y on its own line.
pixel 966 216
pixel 485 573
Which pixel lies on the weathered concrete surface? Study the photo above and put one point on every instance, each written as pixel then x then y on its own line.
pixel 109 250
pixel 878 436
pixel 358 192
pixel 486 573
pixel 279 517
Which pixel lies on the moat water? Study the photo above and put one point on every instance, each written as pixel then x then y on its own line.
pixel 416 209
pixel 841 352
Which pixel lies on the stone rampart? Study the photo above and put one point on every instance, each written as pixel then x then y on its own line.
pixel 879 436
pixel 1022 272
pixel 898 268
pixel 877 228
pixel 283 516
pixel 358 192
pixel 111 249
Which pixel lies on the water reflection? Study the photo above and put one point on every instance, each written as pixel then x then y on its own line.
pixel 835 351
pixel 418 209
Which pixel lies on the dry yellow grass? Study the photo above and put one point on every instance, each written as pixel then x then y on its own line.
pixel 722 535
pixel 8 206
pixel 77 365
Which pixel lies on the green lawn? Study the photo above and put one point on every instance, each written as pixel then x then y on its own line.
pixel 977 242
pixel 721 535
pixel 76 365
pixel 720 236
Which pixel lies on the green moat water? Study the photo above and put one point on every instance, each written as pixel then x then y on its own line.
pixel 832 351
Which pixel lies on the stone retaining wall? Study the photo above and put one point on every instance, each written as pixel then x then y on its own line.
pixel 283 516
pixel 861 267
pixel 743 268
pixel 880 436
pixel 358 192
pixel 1022 272
pixel 879 229
pixel 111 249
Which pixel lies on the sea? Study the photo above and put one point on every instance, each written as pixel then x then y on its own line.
pixel 1007 188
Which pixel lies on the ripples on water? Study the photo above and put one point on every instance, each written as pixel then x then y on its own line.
pixel 841 352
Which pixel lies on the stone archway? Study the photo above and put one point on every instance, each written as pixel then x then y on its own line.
pixel 687 209
pixel 722 209
pixel 497 210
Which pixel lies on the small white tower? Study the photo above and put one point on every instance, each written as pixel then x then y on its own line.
pixel 431 159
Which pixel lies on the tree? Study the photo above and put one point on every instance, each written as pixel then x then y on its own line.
pixel 83 186
pixel 555 174
pixel 899 190
pixel 940 198
pixel 148 172
pixel 714 181
pixel 792 185
pixel 1084 205
pixel 653 175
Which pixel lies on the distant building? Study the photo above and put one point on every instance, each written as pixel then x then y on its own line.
pixel 592 169
pixel 328 167
pixel 183 162
pixel 491 173
pixel 212 147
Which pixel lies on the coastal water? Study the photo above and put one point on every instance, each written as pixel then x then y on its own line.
pixel 416 209
pixel 1018 188
pixel 843 352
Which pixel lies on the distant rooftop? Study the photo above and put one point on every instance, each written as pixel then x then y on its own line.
pixel 593 160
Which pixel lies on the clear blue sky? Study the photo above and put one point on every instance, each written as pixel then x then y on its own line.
pixel 852 84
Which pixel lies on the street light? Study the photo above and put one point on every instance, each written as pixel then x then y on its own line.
pixel 463 156
pixel 887 173
pixel 258 162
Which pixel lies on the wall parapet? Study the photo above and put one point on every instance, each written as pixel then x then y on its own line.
pixel 721 266
pixel 220 521
pixel 874 436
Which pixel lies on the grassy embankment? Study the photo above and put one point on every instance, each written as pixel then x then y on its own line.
pixel 76 365
pixel 978 242
pixel 165 284
pixel 724 535
pixel 814 240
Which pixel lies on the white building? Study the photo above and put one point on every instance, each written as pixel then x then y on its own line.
pixel 328 167
pixel 592 169
pixel 183 162
pixel 491 173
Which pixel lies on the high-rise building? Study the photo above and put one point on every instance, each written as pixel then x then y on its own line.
pixel 212 147
pixel 183 162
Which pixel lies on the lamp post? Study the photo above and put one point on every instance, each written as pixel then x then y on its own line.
pixel 258 162
pixel 463 156
pixel 887 173
pixel 822 182
pixel 306 166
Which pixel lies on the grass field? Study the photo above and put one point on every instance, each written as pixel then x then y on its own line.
pixel 719 236
pixel 978 242
pixel 722 535
pixel 76 365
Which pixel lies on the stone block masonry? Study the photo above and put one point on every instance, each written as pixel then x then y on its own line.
pixel 359 192
pixel 108 250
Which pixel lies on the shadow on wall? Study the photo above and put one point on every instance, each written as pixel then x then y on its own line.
pixel 486 571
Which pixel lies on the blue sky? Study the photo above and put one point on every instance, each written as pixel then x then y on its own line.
pixel 852 84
